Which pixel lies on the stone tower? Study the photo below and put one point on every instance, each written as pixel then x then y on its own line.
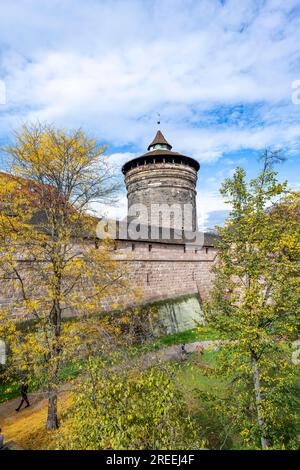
pixel 166 179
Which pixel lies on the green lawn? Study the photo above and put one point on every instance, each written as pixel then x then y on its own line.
pixel 195 381
pixel 188 336
pixel 184 337
pixel 69 371
pixel 9 391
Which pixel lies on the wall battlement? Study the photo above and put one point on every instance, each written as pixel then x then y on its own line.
pixel 161 271
pixel 165 268
pixel 165 178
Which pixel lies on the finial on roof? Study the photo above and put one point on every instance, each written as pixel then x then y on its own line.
pixel 159 142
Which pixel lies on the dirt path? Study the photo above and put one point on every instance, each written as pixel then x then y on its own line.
pixel 36 399
pixel 174 352
pixel 15 424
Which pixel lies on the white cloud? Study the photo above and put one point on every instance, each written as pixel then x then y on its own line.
pixel 117 160
pixel 209 204
pixel 110 66
pixel 118 211
pixel 130 59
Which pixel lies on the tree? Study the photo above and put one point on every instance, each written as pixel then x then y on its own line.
pixel 255 303
pixel 50 266
pixel 128 406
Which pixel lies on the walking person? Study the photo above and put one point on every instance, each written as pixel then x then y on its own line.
pixel 183 351
pixel 1 439
pixel 23 391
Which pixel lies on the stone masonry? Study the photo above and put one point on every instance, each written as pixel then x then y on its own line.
pixel 166 178
pixel 157 269
pixel 165 268
pixel 162 271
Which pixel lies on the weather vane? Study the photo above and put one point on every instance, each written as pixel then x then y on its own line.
pixel 158 119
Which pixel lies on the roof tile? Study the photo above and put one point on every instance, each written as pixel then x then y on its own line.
pixel 159 139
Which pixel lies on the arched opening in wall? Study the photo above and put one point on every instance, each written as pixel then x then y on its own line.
pixel 2 353
pixel 150 247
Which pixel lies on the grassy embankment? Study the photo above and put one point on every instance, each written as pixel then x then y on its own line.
pixel 193 378
pixel 69 371
pixel 28 427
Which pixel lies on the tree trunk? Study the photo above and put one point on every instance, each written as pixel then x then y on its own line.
pixel 52 421
pixel 265 443
pixel 53 368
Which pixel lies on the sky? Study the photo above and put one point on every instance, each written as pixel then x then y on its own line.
pixel 224 76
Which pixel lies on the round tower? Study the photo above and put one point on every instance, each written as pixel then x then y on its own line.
pixel 162 178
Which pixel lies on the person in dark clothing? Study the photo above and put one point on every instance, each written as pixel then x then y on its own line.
pixel 23 391
pixel 183 350
pixel 1 440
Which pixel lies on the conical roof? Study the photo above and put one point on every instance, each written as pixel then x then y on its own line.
pixel 159 139
pixel 159 151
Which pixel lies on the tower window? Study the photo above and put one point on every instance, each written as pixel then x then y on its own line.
pixel 150 247
pixel 133 247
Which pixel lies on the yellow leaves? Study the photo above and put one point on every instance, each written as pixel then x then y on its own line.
pixel 77 263
pixel 245 432
pixel 48 153
pixel 90 306
pixel 31 305
pixel 140 404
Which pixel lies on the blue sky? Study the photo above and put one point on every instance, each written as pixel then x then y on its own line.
pixel 219 72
